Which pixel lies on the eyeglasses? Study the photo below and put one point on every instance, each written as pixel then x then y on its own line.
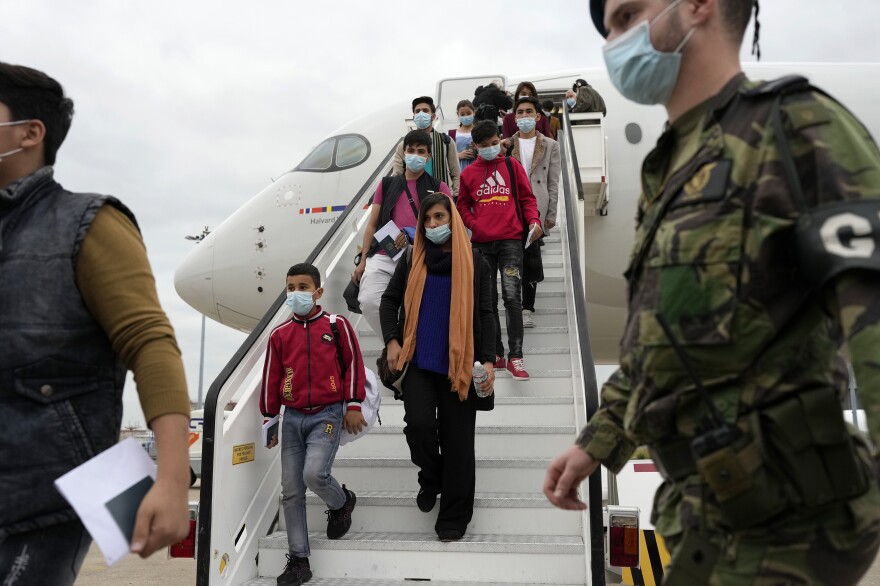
pixel 15 123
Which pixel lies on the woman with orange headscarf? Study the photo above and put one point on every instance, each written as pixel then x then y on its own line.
pixel 437 320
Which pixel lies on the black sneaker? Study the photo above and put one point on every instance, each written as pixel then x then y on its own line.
pixel 447 535
pixel 339 521
pixel 296 572
pixel 426 500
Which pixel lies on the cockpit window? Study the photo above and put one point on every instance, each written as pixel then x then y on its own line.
pixel 350 151
pixel 336 153
pixel 319 159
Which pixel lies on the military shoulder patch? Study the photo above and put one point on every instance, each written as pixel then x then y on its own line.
pixel 708 184
pixel 807 113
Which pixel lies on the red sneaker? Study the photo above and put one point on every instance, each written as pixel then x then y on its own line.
pixel 499 361
pixel 517 368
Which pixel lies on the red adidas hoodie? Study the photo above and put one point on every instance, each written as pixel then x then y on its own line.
pixel 302 366
pixel 485 200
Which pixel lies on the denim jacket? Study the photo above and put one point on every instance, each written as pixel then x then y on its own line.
pixel 60 380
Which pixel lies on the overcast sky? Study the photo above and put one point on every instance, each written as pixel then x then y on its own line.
pixel 185 109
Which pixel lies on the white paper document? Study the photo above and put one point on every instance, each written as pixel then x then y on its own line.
pixel 106 492
pixel 385 236
pixel 529 237
pixel 270 428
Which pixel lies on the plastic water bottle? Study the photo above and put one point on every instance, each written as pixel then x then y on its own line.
pixel 480 376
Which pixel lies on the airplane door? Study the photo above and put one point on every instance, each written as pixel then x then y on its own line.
pixel 452 90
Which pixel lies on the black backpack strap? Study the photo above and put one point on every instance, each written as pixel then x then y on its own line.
pixel 335 329
pixel 777 86
pixel 409 196
pixel 516 196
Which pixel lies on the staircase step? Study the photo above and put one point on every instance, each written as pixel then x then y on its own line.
pixel 536 373
pixel 505 386
pixel 366 333
pixel 528 351
pixel 404 582
pixel 494 514
pixel 491 441
pixel 508 410
pixel 400 556
pixel 539 311
pixel 400 474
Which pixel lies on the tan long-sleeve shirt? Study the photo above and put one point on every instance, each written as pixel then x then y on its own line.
pixel 114 277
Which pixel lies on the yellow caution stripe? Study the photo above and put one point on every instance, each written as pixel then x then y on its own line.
pixel 653 557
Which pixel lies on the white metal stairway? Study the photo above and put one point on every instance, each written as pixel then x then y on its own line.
pixel 515 535
pixel 515 538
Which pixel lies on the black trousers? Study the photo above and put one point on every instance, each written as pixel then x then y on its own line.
pixel 530 290
pixel 440 433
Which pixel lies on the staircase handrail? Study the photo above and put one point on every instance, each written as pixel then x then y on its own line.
pixel 590 389
pixel 212 401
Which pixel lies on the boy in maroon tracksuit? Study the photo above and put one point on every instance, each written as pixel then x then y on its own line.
pixel 321 392
pixel 491 210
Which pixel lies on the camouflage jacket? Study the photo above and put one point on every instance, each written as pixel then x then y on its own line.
pixel 714 256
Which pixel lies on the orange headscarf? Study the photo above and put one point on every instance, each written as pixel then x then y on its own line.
pixel 461 312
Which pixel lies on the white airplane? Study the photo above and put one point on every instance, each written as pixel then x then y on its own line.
pixel 238 270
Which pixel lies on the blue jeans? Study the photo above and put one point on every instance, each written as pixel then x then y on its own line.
pixel 51 555
pixel 308 446
pixel 506 256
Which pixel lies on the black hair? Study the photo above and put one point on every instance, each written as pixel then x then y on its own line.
pixel 547 105
pixel 465 103
pixel 736 15
pixel 578 83
pixel 305 268
pixel 529 100
pixel 417 138
pixel 32 95
pixel 430 201
pixel 484 130
pixel 525 85
pixel 424 100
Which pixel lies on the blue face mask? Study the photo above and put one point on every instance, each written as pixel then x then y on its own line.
pixel 570 102
pixel 466 120
pixel 301 302
pixel 526 125
pixel 414 163
pixel 422 120
pixel 639 71
pixel 438 235
pixel 490 153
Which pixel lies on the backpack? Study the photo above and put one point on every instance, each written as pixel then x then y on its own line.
pixel 486 112
pixel 370 406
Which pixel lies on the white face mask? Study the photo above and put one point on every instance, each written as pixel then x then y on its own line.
pixel 18 150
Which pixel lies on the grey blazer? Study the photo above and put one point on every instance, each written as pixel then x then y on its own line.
pixel 544 174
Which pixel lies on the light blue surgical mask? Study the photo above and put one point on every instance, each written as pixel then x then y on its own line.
pixel 301 302
pixel 414 163
pixel 638 70
pixel 571 102
pixel 466 120
pixel 526 125
pixel 490 153
pixel 422 120
pixel 438 235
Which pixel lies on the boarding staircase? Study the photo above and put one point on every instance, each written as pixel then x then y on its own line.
pixel 516 537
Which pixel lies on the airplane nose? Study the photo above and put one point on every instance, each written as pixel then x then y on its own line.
pixel 193 279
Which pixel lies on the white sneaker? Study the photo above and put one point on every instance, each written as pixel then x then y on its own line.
pixel 528 321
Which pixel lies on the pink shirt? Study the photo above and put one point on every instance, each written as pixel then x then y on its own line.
pixel 402 213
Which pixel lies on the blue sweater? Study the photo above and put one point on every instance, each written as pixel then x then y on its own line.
pixel 432 334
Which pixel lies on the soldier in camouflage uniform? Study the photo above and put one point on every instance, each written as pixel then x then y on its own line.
pixel 773 487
